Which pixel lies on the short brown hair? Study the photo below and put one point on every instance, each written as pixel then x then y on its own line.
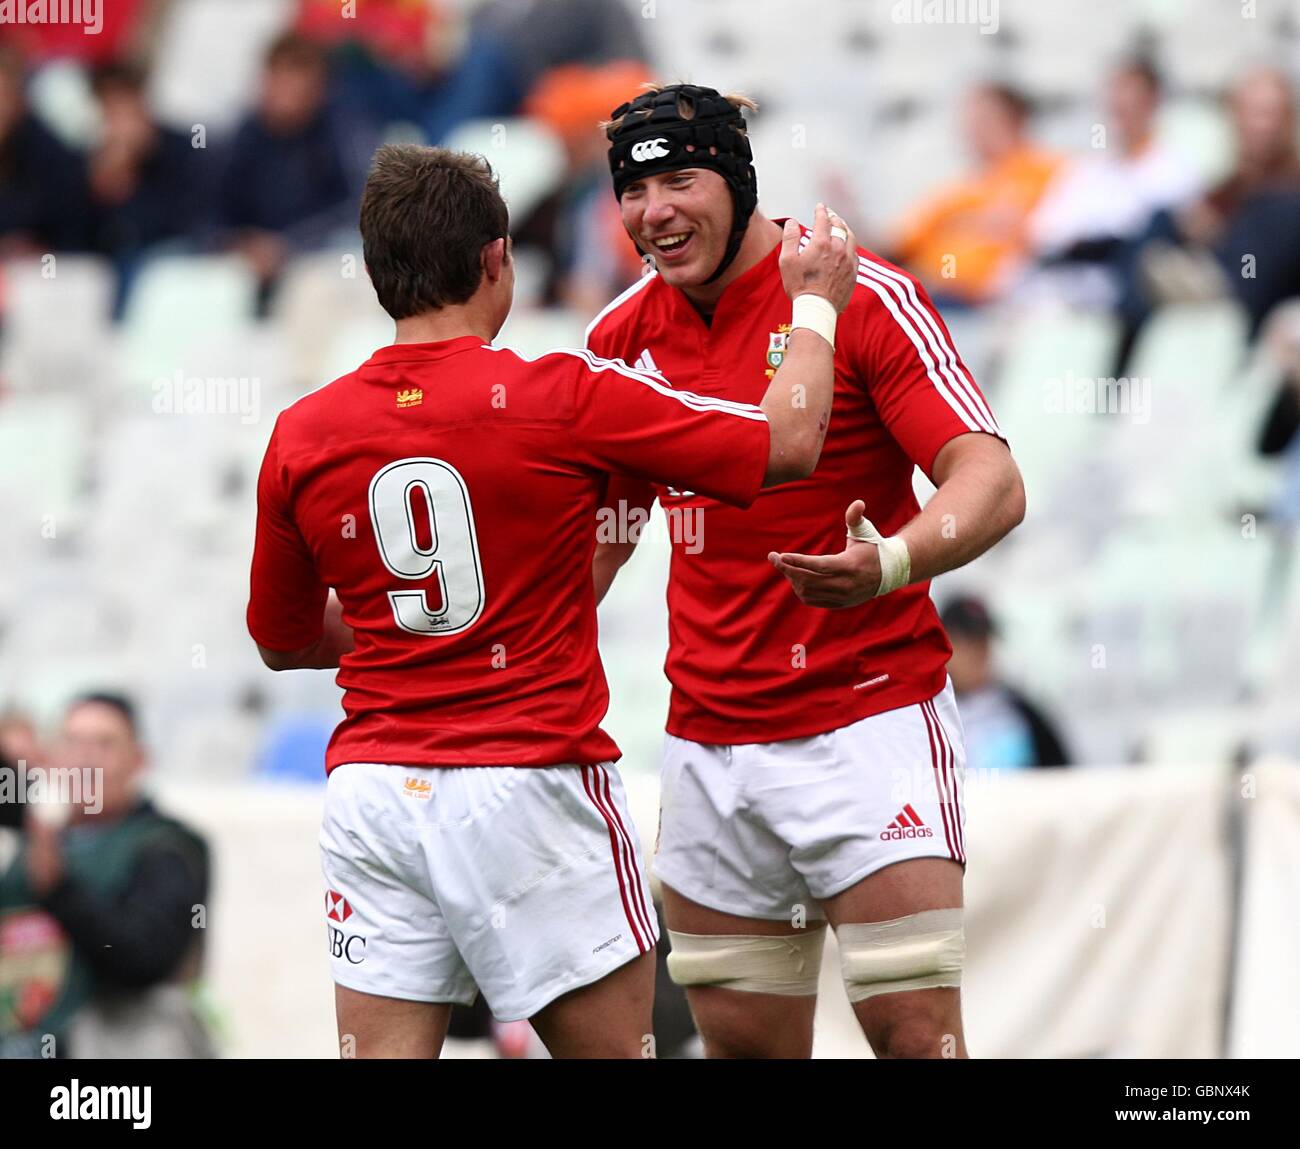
pixel 426 215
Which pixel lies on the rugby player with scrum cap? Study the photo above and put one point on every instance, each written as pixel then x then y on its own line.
pixel 813 766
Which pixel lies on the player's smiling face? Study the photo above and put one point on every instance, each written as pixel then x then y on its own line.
pixel 683 219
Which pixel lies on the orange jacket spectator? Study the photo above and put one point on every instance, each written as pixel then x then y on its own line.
pixel 966 240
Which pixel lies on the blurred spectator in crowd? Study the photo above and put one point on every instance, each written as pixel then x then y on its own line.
pixel 99 908
pixel 143 181
pixel 414 64
pixel 1242 238
pixel 968 240
pixel 592 258
pixel 43 205
pixel 1098 203
pixel 1004 730
pixel 118 28
pixel 431 66
pixel 538 37
pixel 293 175
pixel 19 739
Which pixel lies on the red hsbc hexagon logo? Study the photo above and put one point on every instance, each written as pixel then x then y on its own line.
pixel 336 907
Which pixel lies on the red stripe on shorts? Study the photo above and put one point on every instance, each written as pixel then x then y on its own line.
pixel 638 887
pixel 938 778
pixel 589 783
pixel 953 786
pixel 952 814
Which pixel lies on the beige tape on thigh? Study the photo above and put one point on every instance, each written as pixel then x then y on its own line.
pixel 920 951
pixel 788 964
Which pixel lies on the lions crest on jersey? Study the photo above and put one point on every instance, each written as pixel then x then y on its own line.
pixel 776 344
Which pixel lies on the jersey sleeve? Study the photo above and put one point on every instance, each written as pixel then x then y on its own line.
pixel 286 603
pixel 632 493
pixel 635 423
pixel 905 354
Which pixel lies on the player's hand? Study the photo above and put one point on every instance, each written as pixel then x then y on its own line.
pixel 828 266
pixel 849 578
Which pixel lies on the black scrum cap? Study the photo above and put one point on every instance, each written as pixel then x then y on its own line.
pixel 685 126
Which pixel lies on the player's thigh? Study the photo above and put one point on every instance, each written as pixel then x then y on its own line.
pixel 856 801
pixel 386 934
pixel 610 1018
pixel 386 1027
pixel 901 888
pixel 908 1023
pixel 743 1023
pixel 715 849
pixel 539 872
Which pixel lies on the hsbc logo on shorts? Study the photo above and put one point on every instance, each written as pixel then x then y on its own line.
pixel 350 947
pixel 908 824
pixel 646 150
pixel 337 908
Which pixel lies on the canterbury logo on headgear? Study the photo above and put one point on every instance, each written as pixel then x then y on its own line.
pixel 647 150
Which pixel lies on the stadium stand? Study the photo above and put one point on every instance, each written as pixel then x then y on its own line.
pixel 1151 598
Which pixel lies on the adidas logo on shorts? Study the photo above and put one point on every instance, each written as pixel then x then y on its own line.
pixel 908 824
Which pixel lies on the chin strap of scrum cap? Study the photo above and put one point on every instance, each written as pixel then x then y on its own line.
pixel 685 126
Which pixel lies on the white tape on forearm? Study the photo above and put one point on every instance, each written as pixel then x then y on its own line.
pixel 895 559
pixel 815 313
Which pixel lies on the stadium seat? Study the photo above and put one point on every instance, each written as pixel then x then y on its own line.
pixel 320 294
pixel 1206 45
pixel 1272 656
pixel 1174 609
pixel 1052 360
pixel 185 314
pixel 1198 130
pixel 1057 52
pixel 56 323
pixel 533 333
pixel 44 686
pixel 900 161
pixel 527 157
pixel 43 443
pixel 1191 357
pixel 60 95
pixel 293 749
pixel 352 344
pixel 208 56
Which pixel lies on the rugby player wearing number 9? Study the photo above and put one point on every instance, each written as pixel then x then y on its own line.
pixel 475 834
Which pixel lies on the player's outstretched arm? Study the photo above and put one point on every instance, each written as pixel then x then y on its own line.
pixel 980 499
pixel 797 403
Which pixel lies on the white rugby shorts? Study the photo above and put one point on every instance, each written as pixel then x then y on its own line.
pixel 524 882
pixel 769 830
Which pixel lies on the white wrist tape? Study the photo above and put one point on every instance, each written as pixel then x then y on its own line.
pixel 817 314
pixel 895 560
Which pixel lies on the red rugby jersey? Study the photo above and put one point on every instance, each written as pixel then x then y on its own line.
pixel 748 662
pixel 447 492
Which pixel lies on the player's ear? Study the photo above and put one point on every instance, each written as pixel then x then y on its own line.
pixel 494 258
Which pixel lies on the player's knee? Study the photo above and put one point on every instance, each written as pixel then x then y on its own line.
pixel 740 1025
pixel 925 950
pixel 915 1036
pixel 785 964
pixel 735 1024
